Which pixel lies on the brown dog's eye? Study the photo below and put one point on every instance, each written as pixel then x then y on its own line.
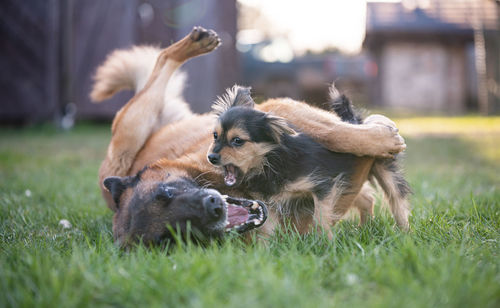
pixel 165 193
pixel 237 141
pixel 215 135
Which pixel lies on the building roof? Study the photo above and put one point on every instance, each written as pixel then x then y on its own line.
pixel 432 16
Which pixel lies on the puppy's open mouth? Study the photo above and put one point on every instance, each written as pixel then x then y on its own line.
pixel 231 174
pixel 244 215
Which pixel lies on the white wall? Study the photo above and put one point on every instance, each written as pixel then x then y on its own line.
pixel 425 76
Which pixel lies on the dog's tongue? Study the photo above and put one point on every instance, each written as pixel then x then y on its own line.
pixel 230 176
pixel 236 215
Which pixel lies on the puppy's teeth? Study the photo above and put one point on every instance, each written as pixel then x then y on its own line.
pixel 255 205
pixel 256 222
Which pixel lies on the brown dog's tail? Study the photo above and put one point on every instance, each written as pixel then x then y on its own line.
pixel 129 69
pixel 123 69
pixel 386 172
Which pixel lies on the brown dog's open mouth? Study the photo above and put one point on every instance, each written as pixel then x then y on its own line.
pixel 231 175
pixel 244 215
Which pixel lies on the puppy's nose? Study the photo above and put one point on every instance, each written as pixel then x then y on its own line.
pixel 214 158
pixel 214 206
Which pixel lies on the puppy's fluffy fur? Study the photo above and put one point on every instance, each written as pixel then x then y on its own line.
pixel 275 162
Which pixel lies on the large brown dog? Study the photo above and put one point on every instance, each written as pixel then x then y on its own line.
pixel 155 173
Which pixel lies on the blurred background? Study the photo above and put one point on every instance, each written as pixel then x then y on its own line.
pixel 425 57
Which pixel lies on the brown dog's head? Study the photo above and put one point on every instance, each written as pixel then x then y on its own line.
pixel 243 136
pixel 155 202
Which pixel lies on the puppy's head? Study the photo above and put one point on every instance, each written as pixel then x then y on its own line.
pixel 243 136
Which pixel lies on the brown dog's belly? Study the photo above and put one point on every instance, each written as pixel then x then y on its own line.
pixel 191 136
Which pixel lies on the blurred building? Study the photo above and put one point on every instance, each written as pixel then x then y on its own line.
pixel 435 55
pixel 305 77
pixel 51 48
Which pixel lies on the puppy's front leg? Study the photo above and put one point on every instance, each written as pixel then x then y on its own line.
pixel 323 215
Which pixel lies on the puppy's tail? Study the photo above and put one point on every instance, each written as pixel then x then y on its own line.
pixel 129 69
pixel 343 107
pixel 386 172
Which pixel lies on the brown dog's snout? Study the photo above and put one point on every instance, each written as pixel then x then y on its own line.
pixel 214 158
pixel 214 206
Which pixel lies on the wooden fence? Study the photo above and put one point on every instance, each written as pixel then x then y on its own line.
pixel 51 48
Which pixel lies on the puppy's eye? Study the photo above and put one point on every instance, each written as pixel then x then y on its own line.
pixel 215 136
pixel 237 141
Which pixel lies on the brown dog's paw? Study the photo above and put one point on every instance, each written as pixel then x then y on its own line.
pixel 387 136
pixel 199 41
pixel 388 141
pixel 207 40
pixel 380 119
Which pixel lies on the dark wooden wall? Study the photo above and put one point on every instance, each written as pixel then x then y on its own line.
pixel 208 75
pixel 51 48
pixel 28 57
pixel 98 27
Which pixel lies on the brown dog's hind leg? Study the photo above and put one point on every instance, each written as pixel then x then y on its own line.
pixel 133 124
pixel 137 120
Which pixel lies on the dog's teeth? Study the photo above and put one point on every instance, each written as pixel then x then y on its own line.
pixel 255 205
pixel 256 222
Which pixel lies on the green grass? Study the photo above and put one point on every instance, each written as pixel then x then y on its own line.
pixel 449 259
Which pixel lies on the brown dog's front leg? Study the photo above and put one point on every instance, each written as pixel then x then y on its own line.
pixel 376 139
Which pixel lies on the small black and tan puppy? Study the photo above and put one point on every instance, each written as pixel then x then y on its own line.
pixel 270 160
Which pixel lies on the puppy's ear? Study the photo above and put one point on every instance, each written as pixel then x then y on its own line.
pixel 235 96
pixel 116 186
pixel 278 127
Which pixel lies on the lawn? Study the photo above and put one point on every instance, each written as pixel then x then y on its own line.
pixel 451 258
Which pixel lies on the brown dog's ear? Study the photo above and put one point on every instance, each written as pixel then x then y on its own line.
pixel 235 96
pixel 116 186
pixel 279 127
